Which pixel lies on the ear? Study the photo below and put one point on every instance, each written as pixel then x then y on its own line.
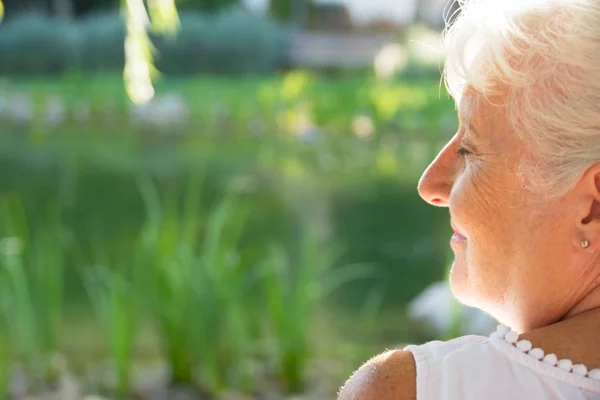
pixel 588 221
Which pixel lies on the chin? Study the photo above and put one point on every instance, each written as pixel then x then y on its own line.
pixel 475 296
pixel 460 287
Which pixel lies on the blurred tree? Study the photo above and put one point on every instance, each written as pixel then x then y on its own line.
pixel 60 8
pixel 14 6
pixel 140 16
pixel 281 9
pixel 295 11
pixel 63 9
pixel 86 6
pixel 206 5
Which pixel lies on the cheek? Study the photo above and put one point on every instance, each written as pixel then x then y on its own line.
pixel 479 207
pixel 475 203
pixel 482 206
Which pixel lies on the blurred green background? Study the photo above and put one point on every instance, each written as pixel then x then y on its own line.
pixel 252 232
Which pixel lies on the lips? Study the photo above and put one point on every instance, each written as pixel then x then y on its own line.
pixel 457 237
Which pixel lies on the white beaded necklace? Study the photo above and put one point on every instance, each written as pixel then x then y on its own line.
pixel 525 346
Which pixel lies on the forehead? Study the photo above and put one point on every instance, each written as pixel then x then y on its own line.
pixel 483 114
pixel 474 104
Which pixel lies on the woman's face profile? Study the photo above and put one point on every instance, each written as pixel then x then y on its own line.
pixel 509 241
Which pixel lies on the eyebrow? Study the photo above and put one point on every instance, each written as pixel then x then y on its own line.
pixel 466 138
pixel 472 129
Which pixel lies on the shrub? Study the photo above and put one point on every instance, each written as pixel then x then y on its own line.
pixel 102 39
pixel 206 5
pixel 37 45
pixel 230 42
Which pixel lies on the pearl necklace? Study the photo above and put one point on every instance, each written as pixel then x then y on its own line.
pixel 525 346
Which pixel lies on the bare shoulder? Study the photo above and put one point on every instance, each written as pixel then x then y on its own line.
pixel 388 376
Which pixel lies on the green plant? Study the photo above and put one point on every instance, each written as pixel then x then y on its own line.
pixel 296 284
pixel 32 283
pixel 47 269
pixel 17 319
pixel 197 286
pixel 168 242
pixel 223 288
pixel 114 291
pixel 6 354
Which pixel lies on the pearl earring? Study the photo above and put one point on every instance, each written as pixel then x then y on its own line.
pixel 585 244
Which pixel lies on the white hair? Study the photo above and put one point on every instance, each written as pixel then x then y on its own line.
pixel 545 55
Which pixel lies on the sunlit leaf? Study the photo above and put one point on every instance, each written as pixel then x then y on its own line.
pixel 163 14
pixel 139 58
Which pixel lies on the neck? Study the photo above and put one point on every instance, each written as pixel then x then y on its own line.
pixel 591 302
pixel 588 304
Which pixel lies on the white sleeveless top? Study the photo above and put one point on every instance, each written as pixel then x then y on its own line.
pixel 494 368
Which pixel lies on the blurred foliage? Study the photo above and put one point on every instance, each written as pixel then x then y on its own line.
pixel 281 9
pixel 101 42
pixel 225 216
pixel 295 287
pixel 160 16
pixel 231 209
pixel 273 131
pixel 115 299
pixel 395 213
pixel 84 7
pixel 198 284
pixel 206 5
pixel 31 282
pixel 37 45
pixel 229 42
pixel 164 17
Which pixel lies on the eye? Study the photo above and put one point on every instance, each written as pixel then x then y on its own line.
pixel 462 152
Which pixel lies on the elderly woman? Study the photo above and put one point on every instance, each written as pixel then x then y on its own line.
pixel 521 180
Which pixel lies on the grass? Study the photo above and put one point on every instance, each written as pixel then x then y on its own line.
pixel 295 289
pixel 113 284
pixel 221 284
pixel 197 285
pixel 168 242
pixel 32 287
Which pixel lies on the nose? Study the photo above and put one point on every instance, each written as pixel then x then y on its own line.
pixel 436 182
